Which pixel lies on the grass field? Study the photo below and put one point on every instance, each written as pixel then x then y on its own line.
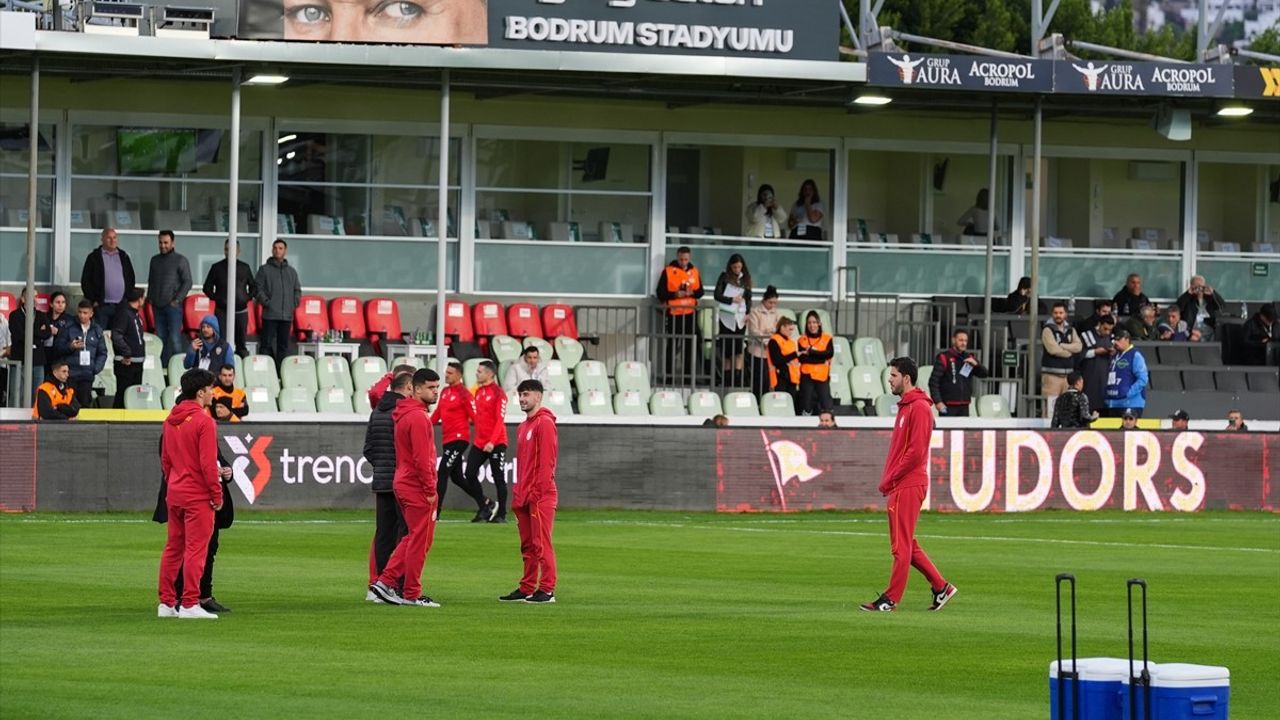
pixel 659 615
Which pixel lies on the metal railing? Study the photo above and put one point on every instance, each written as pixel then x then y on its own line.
pixel 611 333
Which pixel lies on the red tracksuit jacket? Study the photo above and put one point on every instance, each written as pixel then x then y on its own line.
pixel 415 450
pixel 905 466
pixel 491 415
pixel 537 446
pixel 189 456
pixel 456 411
pixel 380 387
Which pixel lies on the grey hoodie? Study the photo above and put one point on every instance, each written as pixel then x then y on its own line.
pixel 169 279
pixel 278 289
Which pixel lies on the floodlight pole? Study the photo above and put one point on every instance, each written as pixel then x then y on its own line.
pixel 1033 311
pixel 233 214
pixel 29 310
pixel 991 239
pixel 442 225
pixel 1040 20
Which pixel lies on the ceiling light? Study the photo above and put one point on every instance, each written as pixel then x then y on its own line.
pixel 872 100
pixel 264 79
pixel 290 155
pixel 286 138
pixel 1235 111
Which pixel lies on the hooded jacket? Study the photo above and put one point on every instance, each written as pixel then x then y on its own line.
pixel 216 351
pixel 189 456
pixel 906 464
pixel 278 289
pixel 537 447
pixel 380 442
pixel 415 450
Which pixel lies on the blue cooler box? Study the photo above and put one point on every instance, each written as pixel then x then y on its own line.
pixel 1181 691
pixel 1101 685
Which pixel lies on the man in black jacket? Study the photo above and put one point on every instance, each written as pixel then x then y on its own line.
pixel 106 278
pixel 215 287
pixel 39 332
pixel 1072 409
pixel 380 452
pixel 129 346
pixel 1200 306
pixel 1094 362
pixel 1130 298
pixel 1259 337
pixel 951 383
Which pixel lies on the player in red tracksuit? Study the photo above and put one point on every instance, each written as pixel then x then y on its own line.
pixel 537 446
pixel 189 461
pixel 456 411
pixel 491 436
pixel 415 489
pixel 906 482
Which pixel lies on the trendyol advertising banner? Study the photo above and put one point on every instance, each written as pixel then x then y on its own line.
pixel 1003 470
pixel 794 29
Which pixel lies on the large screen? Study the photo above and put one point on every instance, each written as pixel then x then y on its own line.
pixel 156 151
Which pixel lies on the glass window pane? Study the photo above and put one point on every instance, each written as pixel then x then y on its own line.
pixel 792 267
pixel 565 217
pixel 363 210
pixel 962 203
pixel 15 144
pixel 376 159
pixel 367 264
pixel 1246 286
pixel 1232 202
pixel 532 268
pixel 161 204
pixel 1065 274
pixel 13 256
pixel 13 201
pixel 953 272
pixel 885 194
pixel 549 164
pixel 1113 203
pixel 136 151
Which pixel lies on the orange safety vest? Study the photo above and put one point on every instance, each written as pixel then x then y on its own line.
pixel 237 400
pixel 788 347
pixel 56 396
pixel 816 373
pixel 677 277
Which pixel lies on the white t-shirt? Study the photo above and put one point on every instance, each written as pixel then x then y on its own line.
pixel 801 218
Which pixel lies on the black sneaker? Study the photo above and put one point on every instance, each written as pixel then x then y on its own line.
pixel 941 597
pixel 213 606
pixel 386 594
pixel 514 596
pixel 500 518
pixel 486 513
pixel 880 604
pixel 541 597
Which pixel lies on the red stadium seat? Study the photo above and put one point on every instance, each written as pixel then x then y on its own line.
pixel 148 318
pixel 522 320
pixel 487 319
pixel 8 303
pixel 255 319
pixel 345 315
pixel 457 322
pixel 559 321
pixel 382 322
pixel 310 320
pixel 194 308
pixel 42 302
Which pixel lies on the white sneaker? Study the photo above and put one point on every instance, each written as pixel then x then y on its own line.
pixel 195 612
pixel 370 597
pixel 166 611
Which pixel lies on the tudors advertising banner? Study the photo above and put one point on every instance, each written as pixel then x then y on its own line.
pixel 1110 77
pixel 959 72
pixel 790 29
pixel 1003 470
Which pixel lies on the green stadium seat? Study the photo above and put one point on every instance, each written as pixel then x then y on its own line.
pixel 631 403
pixel 706 330
pixel 870 352
pixel 777 404
pixel 416 361
pixel 333 371
pixel 839 386
pixel 169 397
pixel 557 401
pixel 106 380
pixel 843 353
pixel 558 377
pixel 787 313
pixel 153 344
pixel 366 372
pixel 299 371
pixel 667 403
pixel 741 404
pixel 504 348
pixel 111 353
pixel 865 384
pixel 993 406
pixel 143 397
pixel 632 375
pixel 295 399
pixel 260 371
pixel 176 368
pixel 153 372
pixel 545 349
pixel 594 403
pixel 887 406
pixel 569 351
pixel 704 403
pixel 884 381
pixel 260 397
pixel 334 400
pixel 591 375
pixel 922 377
pixel 469 370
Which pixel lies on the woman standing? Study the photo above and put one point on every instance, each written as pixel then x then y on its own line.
pixel 764 218
pixel 733 292
pixel 807 214
pixel 59 320
pixel 784 359
pixel 815 352
pixel 761 323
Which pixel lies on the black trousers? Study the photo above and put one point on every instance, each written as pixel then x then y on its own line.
pixel 126 377
pixel 206 580
pixel 388 529
pixel 275 336
pixel 681 339
pixel 477 457
pixel 759 369
pixel 957 411
pixel 785 386
pixel 814 396
pixel 84 391
pixel 450 468
pixel 242 327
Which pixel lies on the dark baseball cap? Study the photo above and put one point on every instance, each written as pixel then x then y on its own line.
pixel 1119 333
pixel 1130 414
pixel 1180 415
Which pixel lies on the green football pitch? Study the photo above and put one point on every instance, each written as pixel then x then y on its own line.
pixel 659 615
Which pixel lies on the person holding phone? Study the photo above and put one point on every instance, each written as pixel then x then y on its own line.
pixel 764 218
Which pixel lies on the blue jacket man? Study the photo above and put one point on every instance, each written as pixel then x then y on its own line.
pixel 1127 378
pixel 209 351
pixel 84 348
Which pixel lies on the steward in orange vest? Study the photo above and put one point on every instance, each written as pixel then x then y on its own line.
pixel 680 285
pixel 229 404
pixel 55 400
pixel 816 352
pixel 784 355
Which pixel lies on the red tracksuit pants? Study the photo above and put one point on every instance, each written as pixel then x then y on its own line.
pixel 535 521
pixel 410 555
pixel 904 512
pixel 190 527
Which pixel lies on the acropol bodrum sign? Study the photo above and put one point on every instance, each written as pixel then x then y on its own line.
pixel 959 72
pixel 1105 77
pixel 790 29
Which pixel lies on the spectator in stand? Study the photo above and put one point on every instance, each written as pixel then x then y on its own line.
pixel 807 214
pixel 229 403
pixel 1130 298
pixel 168 282
pixel 1142 325
pixel 1259 336
pixel 1235 421
pixel 815 353
pixel 84 348
pixel 127 341
pixel 1127 378
pixel 1072 408
pixel 761 323
pixel 678 289
pixel 1180 420
pixel 764 218
pixel 107 277
pixel 6 346
pixel 826 419
pixel 490 446
pixel 1200 306
pixel 1095 362
pixel 1101 309
pixel 380 452
pixel 59 321
pixel 1019 301
pixel 733 292
pixel 384 384
pixel 1129 420
pixel 279 292
pixel 208 350
pixel 976 221
pixel 55 399
pixel 39 332
pixel 215 287
pixel 951 383
pixel 1174 329
pixel 529 367
pixel 1061 343
pixel 784 360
